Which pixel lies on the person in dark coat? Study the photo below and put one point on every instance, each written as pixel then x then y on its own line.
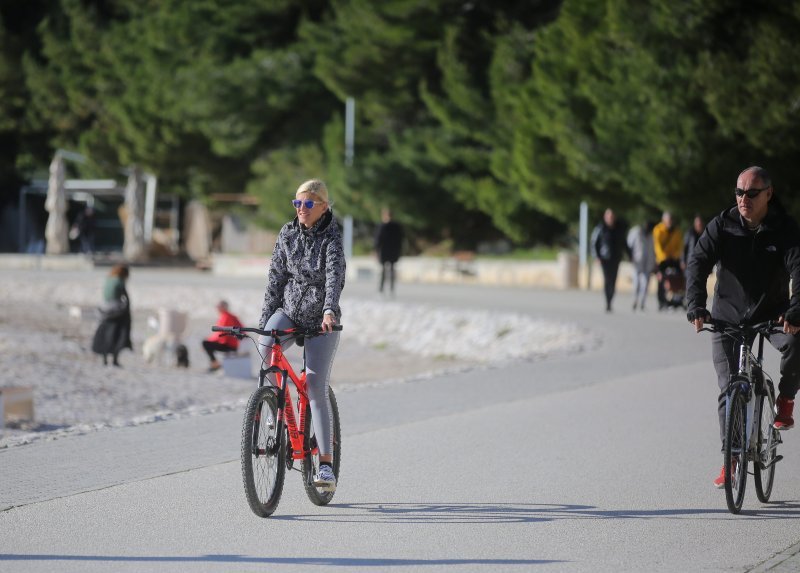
pixel 388 245
pixel 609 245
pixel 690 239
pixel 84 227
pixel 113 334
pixel 755 247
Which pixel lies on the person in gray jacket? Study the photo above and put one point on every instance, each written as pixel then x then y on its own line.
pixel 305 281
pixel 643 256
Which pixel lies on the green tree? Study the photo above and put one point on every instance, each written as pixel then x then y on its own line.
pixel 195 92
pixel 643 103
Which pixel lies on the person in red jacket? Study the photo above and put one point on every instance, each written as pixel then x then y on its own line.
pixel 219 341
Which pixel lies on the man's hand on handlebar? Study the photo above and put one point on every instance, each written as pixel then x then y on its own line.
pixel 698 318
pixel 788 327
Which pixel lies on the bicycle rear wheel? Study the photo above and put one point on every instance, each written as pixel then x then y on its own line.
pixel 263 452
pixel 310 463
pixel 735 457
pixel 768 440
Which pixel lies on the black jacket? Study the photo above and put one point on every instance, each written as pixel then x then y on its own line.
pixel 389 242
pixel 753 267
pixel 609 243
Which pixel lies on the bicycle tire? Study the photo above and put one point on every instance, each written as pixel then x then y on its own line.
pixel 263 452
pixel 311 461
pixel 735 449
pixel 768 441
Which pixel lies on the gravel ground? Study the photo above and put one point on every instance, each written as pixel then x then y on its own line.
pixel 47 321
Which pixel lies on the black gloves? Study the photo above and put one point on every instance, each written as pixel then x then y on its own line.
pixel 792 316
pixel 698 313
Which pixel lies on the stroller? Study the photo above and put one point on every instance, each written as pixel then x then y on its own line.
pixel 673 282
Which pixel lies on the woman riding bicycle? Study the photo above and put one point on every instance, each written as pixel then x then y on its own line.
pixel 305 281
pixel 756 248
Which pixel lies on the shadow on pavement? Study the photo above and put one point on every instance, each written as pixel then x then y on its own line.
pixel 243 559
pixel 520 513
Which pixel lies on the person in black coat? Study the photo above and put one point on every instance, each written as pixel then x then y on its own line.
pixel 113 334
pixel 609 245
pixel 755 246
pixel 388 245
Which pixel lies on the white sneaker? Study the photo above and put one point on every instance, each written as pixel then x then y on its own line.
pixel 325 480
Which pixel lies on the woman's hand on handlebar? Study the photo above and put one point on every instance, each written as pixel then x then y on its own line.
pixel 328 322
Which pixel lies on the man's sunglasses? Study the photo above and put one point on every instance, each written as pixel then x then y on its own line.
pixel 308 203
pixel 751 193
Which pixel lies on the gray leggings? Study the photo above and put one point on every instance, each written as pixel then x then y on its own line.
pixel 319 351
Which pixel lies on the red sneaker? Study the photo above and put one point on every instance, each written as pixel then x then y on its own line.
pixel 720 481
pixel 783 419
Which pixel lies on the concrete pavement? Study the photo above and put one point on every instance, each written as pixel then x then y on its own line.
pixel 595 462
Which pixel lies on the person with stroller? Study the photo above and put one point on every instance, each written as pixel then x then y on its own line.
pixel 668 248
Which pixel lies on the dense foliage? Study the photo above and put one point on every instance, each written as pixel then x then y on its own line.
pixel 475 119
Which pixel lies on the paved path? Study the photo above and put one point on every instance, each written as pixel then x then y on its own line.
pixel 595 462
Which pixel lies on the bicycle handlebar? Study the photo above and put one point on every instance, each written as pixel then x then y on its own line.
pixel 730 328
pixel 239 331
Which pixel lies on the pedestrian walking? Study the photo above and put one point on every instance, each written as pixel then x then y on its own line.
pixel 608 243
pixel 640 245
pixel 388 246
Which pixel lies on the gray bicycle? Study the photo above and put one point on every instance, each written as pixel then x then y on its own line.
pixel 749 415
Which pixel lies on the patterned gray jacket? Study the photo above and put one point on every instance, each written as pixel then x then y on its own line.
pixel 306 276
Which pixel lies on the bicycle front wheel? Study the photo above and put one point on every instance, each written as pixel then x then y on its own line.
pixel 263 452
pixel 311 460
pixel 768 440
pixel 735 457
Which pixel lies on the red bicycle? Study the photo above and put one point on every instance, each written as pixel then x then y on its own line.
pixel 272 436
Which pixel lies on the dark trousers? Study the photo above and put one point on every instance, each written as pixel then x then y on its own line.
pixel 211 347
pixel 387 268
pixel 726 362
pixel 610 269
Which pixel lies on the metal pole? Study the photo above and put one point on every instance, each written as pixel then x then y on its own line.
pixel 149 207
pixel 23 227
pixel 348 237
pixel 583 246
pixel 349 130
pixel 349 153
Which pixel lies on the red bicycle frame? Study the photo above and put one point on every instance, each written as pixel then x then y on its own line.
pixel 282 369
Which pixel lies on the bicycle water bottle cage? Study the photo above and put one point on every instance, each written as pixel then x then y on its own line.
pixel 300 340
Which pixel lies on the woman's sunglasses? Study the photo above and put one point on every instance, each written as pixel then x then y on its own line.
pixel 751 193
pixel 308 203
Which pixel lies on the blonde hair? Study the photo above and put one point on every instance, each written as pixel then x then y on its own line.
pixel 314 187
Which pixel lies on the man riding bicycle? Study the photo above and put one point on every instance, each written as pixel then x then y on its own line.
pixel 756 247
